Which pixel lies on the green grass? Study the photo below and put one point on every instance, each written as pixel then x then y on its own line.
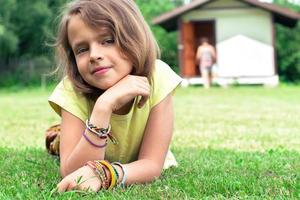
pixel 238 143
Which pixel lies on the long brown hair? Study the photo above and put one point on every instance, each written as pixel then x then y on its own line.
pixel 123 19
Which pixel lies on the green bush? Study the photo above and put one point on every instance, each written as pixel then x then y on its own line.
pixel 25 27
pixel 26 72
pixel 288 48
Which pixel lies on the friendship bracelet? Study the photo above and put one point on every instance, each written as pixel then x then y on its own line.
pixel 101 170
pixel 92 143
pixel 106 173
pixel 112 138
pixel 93 167
pixel 116 172
pixel 100 132
pixel 124 174
pixel 113 181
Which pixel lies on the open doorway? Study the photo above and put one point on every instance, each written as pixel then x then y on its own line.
pixel 205 28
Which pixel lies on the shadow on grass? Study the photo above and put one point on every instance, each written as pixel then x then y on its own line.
pixel 207 173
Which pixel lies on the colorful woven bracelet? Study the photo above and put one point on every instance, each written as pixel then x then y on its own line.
pixel 92 143
pixel 113 181
pixel 100 132
pixel 116 171
pixel 93 167
pixel 101 170
pixel 122 183
pixel 106 173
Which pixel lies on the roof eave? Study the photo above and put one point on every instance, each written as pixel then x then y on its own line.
pixel 288 22
pixel 169 20
pixel 281 15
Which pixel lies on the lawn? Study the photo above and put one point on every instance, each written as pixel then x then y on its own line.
pixel 239 143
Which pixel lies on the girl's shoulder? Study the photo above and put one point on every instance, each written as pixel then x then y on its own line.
pixel 65 97
pixel 164 74
pixel 64 86
pixel 163 82
pixel 162 69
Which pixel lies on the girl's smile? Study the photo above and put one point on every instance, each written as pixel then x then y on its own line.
pixel 101 70
pixel 97 56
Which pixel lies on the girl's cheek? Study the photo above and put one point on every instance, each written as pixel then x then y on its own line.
pixel 81 62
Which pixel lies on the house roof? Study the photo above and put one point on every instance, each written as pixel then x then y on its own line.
pixel 281 15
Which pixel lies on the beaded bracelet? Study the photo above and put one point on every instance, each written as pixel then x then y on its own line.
pixel 102 171
pixel 92 143
pixel 113 181
pixel 100 175
pixel 122 183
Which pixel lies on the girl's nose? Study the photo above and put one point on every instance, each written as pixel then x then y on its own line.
pixel 95 53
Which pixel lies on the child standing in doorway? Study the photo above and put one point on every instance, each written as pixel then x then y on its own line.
pixel 206 57
pixel 115 100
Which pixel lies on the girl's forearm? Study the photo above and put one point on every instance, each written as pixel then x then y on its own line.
pixel 141 171
pixel 85 150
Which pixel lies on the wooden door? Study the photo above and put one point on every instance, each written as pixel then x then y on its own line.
pixel 188 49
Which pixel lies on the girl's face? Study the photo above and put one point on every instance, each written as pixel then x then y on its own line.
pixel 98 59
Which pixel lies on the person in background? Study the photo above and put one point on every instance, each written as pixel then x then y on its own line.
pixel 206 57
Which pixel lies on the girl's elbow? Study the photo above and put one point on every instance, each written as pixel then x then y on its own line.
pixel 156 175
pixel 64 168
pixel 63 171
pixel 156 171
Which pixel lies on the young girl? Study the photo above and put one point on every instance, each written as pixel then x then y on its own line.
pixel 115 100
pixel 206 57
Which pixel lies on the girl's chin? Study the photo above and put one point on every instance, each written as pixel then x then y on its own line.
pixel 104 86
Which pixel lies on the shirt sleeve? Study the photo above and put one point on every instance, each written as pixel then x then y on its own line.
pixel 164 82
pixel 65 97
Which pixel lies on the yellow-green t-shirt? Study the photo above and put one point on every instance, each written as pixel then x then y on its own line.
pixel 127 129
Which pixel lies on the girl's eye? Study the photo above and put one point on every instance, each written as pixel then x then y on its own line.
pixel 108 41
pixel 81 50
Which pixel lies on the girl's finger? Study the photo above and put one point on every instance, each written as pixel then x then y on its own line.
pixel 62 186
pixel 142 101
pixel 72 185
pixel 145 87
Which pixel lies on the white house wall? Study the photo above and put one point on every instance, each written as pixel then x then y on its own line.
pixel 243 35
pixel 247 57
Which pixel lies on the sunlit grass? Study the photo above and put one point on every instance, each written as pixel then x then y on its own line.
pixel 240 142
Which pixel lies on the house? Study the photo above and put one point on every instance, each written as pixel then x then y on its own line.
pixel 243 32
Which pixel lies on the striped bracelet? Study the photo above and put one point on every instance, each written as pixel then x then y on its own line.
pixel 122 183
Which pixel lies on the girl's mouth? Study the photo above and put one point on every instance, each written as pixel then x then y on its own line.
pixel 100 70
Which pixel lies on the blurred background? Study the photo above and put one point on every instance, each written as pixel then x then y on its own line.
pixel 27 29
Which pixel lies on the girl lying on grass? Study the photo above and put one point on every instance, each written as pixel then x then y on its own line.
pixel 115 99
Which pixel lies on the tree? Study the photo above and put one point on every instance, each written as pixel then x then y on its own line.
pixel 8 39
pixel 167 41
pixel 288 47
pixel 24 26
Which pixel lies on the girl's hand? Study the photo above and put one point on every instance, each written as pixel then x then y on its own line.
pixel 83 178
pixel 125 90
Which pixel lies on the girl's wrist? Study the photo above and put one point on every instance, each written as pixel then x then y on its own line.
pixel 104 104
pixel 101 114
pixel 102 107
pixel 92 171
